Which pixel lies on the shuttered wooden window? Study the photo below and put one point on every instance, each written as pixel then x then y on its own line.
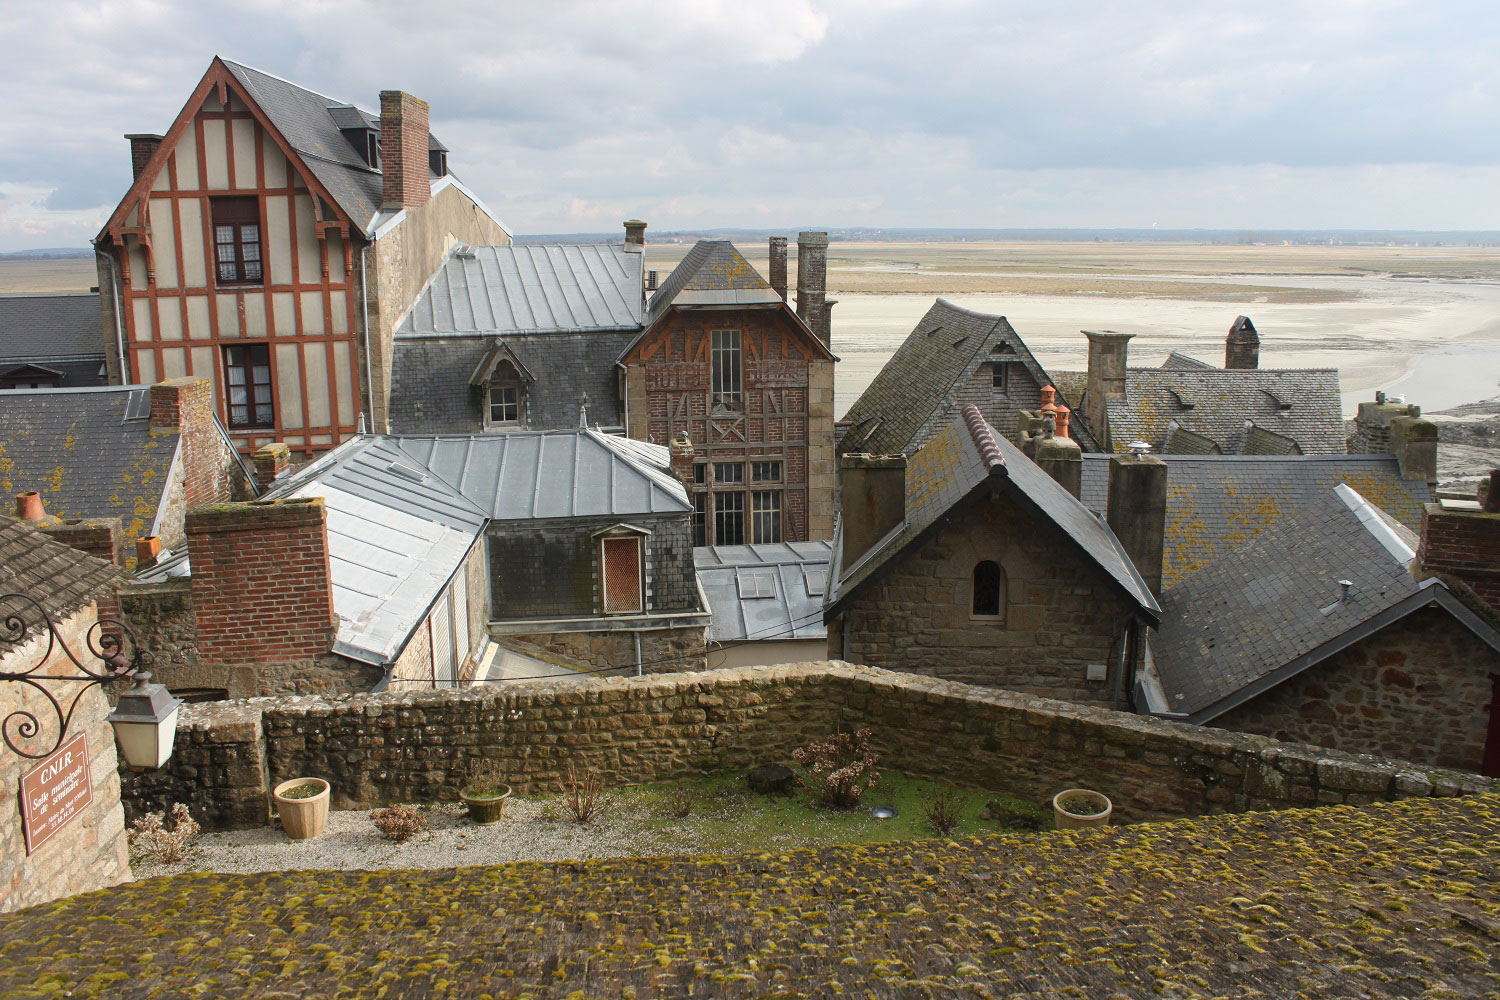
pixel 237 244
pixel 622 576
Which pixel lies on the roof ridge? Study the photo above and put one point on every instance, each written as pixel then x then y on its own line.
pixel 984 438
pixel 966 310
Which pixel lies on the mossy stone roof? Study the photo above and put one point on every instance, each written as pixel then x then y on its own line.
pixel 1393 899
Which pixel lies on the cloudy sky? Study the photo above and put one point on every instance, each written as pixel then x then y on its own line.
pixel 570 115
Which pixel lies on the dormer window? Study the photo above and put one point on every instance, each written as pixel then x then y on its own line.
pixel 437 162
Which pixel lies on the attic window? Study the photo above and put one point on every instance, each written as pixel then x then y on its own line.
pixel 1280 404
pixel 407 472
pixel 755 584
pixel 1002 348
pixel 437 161
pixel 138 406
pixel 1183 403
pixel 815 579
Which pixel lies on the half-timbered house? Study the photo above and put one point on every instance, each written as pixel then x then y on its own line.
pixel 272 239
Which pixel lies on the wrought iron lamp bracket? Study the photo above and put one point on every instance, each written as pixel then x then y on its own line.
pixel 107 641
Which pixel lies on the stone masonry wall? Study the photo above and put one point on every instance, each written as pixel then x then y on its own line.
pixel 1419 690
pixel 1061 613
pixel 417 746
pixel 90 852
pixel 663 651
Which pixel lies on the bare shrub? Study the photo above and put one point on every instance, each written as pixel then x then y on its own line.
pixel 842 768
pixel 399 822
pixel 485 778
pixel 581 795
pixel 679 802
pixel 164 842
pixel 942 811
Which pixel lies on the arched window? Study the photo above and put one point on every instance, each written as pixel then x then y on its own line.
pixel 989 590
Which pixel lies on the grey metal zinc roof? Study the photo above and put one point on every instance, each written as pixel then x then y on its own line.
pixel 546 474
pixel 530 288
pixel 37 328
pixel 765 592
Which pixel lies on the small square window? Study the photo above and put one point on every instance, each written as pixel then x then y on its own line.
pixel 729 472
pixel 765 472
pixel 505 404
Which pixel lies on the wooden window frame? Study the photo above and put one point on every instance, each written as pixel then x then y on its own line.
pixel 722 515
pixel 238 219
pixel 490 404
pixel 727 371
pixel 1000 377
pixel 771 465
pixel 701 520
pixel 735 479
pixel 248 367
pixel 766 504
pixel 605 596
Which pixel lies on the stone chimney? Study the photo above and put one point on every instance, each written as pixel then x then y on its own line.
pixel 261 583
pixel 873 489
pixel 682 458
pixel 635 233
pixel 272 461
pixel 1045 441
pixel 405 170
pixel 1108 354
pixel 1395 427
pixel 185 406
pixel 1461 543
pixel 1138 512
pixel 143 146
pixel 1242 346
pixel 778 265
pixel 812 282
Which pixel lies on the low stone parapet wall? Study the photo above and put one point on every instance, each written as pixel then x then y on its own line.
pixel 418 746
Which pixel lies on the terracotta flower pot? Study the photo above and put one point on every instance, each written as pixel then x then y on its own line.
pixel 485 808
pixel 302 818
pixel 1070 820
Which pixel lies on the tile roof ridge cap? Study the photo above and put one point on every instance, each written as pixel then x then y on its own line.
pixel 984 438
pixel 947 304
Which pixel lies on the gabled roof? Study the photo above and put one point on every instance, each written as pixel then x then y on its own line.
pixel 530 288
pixel 1259 441
pixel 712 273
pixel 969 460
pixel 918 387
pixel 1275 606
pixel 38 329
pixel 90 452
pixel 1177 361
pixel 552 474
pixel 765 593
pixel 396 536
pixel 58 577
pixel 1181 441
pixel 1216 503
pixel 1302 404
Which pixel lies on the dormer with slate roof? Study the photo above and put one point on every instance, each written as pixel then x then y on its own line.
pixel 250 230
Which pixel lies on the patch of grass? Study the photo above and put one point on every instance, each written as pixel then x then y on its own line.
pixel 728 817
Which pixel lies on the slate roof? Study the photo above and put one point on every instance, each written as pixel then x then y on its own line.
pixel 1385 900
pixel 396 536
pixel 964 462
pixel 1177 361
pixel 58 577
pixel 60 332
pixel 430 391
pixel 530 288
pixel 1216 503
pixel 546 474
pixel 1274 606
pixel 917 390
pixel 89 452
pixel 713 272
pixel 765 592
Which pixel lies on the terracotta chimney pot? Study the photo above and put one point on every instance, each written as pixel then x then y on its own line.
pixel 29 506
pixel 147 551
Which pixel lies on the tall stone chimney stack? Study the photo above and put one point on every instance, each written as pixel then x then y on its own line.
pixel 1108 354
pixel 1242 346
pixel 873 489
pixel 778 265
pixel 405 169
pixel 635 233
pixel 1138 512
pixel 812 282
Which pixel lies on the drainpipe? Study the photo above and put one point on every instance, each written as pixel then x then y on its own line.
pixel 114 294
pixel 639 668
pixel 364 304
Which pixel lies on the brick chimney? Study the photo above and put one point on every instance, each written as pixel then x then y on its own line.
pixel 405 171
pixel 812 282
pixel 778 266
pixel 682 458
pixel 272 461
pixel 1108 354
pixel 261 582
pixel 185 406
pixel 1242 346
pixel 100 537
pixel 143 146
pixel 1394 427
pixel 873 490
pixel 1138 512
pixel 1461 543
pixel 635 233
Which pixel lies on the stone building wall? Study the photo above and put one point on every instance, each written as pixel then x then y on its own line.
pixel 663 650
pixel 1419 690
pixel 90 852
pixel 1061 613
pixel 418 746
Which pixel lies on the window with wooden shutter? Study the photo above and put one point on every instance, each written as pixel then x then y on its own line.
pixel 622 576
pixel 237 243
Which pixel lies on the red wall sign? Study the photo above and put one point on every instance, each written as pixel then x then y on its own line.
pixel 56 791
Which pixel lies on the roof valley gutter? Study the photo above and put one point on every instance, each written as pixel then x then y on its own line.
pixel 364 304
